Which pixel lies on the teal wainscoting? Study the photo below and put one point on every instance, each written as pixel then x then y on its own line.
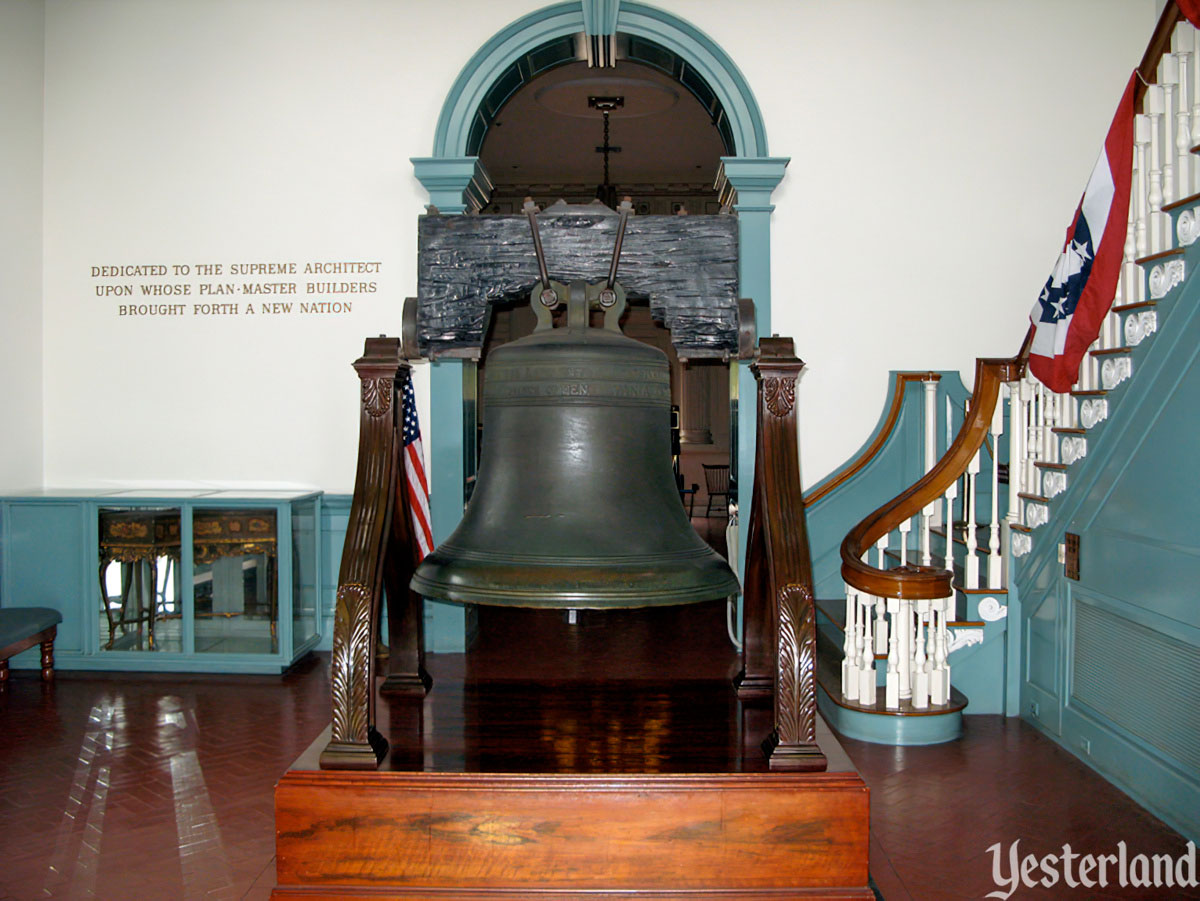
pixel 1112 661
pixel 52 573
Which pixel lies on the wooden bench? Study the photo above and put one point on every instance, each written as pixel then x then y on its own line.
pixel 23 627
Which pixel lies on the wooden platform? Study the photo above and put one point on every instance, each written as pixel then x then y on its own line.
pixel 469 835
pixel 525 774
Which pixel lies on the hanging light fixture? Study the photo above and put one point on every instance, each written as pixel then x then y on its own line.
pixel 606 193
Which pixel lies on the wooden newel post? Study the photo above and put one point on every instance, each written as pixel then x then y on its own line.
pixel 780 649
pixel 378 550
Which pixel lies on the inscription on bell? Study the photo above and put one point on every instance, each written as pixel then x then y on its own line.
pixel 544 373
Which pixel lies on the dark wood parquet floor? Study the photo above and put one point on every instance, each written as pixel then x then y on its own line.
pixel 160 787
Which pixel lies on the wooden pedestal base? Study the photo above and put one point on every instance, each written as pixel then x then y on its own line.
pixel 344 834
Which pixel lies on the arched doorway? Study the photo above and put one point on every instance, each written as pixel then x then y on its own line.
pixel 458 181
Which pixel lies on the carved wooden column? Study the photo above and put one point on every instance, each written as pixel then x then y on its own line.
pixel 779 650
pixel 377 548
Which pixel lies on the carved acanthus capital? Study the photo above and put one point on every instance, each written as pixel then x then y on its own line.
pixel 377 396
pixel 780 395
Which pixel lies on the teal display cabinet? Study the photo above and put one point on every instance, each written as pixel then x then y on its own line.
pixel 188 580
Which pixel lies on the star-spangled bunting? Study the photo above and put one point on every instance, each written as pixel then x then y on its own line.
pixel 1071 307
pixel 416 485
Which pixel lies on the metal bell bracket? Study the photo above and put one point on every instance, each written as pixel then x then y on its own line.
pixel 581 297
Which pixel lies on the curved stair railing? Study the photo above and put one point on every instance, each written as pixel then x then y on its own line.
pixel 902 613
pixel 900 593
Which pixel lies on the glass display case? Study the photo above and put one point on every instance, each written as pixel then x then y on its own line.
pixel 180 580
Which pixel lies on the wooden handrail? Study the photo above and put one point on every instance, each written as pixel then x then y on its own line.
pixel 885 431
pixel 925 582
pixel 1160 43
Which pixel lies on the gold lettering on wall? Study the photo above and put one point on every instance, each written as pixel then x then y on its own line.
pixel 264 287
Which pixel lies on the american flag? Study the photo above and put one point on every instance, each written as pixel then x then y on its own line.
pixel 1071 308
pixel 415 482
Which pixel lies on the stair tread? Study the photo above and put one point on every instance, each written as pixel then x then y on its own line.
pixel 1161 255
pixel 1034 497
pixel 1064 430
pixel 1183 201
pixel 981 590
pixel 1058 466
pixel 830 679
pixel 1138 305
pixel 1095 392
pixel 1124 349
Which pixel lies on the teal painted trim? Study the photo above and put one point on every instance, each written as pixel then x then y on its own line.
pixel 335 519
pixel 455 184
pixel 700 51
pixel 187 579
pixel 445 623
pixel 1012 642
pixel 600 17
pixel 713 64
pixel 1170 795
pixel 754 180
pixel 160 662
pixel 883 729
pixel 489 62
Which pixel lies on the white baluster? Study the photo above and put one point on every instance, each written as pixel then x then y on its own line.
pixel 1167 79
pixel 905 530
pixel 1016 427
pixel 1048 422
pixel 971 521
pixel 1131 273
pixel 950 496
pixel 892 685
pixel 1183 169
pixel 1194 138
pixel 930 511
pixel 994 556
pixel 939 685
pixel 1025 392
pixel 1154 111
pixel 866 671
pixel 863 652
pixel 1141 140
pixel 920 675
pixel 1030 396
pixel 881 631
pixel 849 646
pixel 904 650
pixel 931 643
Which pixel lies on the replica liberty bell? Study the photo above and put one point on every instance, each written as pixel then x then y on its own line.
pixel 576 504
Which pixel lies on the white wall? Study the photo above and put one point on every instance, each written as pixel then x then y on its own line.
pixel 938 150
pixel 21 42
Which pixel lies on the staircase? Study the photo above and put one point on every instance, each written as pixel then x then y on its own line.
pixel 930 576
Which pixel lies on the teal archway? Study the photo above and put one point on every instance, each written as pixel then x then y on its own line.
pixel 487 67
pixel 457 182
